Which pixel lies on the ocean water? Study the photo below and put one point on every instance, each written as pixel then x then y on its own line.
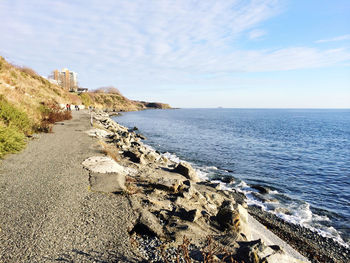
pixel 302 157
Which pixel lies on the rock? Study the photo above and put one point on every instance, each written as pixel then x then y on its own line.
pixel 149 224
pixel 216 186
pixel 163 159
pixel 227 216
pixel 249 251
pixel 186 170
pixel 135 157
pixel 191 215
pixel 168 184
pixel 151 157
pixel 244 223
pixel 98 133
pixel 107 182
pixel 138 135
pixel 257 252
pixel 103 164
pixel 213 198
pixel 260 188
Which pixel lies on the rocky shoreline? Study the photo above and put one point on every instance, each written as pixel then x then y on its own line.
pixel 180 217
pixel 310 244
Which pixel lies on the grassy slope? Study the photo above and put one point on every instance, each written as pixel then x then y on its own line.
pixel 26 90
pixel 118 102
pixel 23 94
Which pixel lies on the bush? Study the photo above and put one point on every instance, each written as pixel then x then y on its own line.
pixel 13 117
pixel 50 114
pixel 86 99
pixel 11 140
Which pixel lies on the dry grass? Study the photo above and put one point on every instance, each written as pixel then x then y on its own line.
pixel 110 150
pixel 212 252
pixel 26 90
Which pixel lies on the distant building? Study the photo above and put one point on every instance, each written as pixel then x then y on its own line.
pixel 66 79
pixel 82 89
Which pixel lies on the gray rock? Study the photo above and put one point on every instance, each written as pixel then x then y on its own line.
pixel 151 157
pixel 150 223
pixel 186 170
pixel 249 251
pixel 168 184
pixel 107 182
pixel 260 188
pixel 135 157
pixel 227 216
pixel 191 215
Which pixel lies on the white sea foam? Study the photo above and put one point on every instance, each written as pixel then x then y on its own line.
pixel 202 175
pixel 172 157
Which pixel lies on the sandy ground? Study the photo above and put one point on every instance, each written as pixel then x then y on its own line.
pixel 48 213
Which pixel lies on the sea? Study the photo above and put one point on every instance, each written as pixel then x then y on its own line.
pixel 294 163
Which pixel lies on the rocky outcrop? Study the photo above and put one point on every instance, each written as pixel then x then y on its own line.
pixel 170 199
pixel 186 170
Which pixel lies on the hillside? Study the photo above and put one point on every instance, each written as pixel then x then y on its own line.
pixel 29 103
pixel 117 102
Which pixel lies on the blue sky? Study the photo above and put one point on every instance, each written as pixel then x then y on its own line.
pixel 230 53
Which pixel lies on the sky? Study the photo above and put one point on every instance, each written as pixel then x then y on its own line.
pixel 223 53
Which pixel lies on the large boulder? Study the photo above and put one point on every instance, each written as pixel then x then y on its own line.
pixel 103 164
pixel 134 156
pixel 188 215
pixel 257 252
pixel 227 216
pixel 107 182
pixel 148 224
pixel 171 185
pixel 186 170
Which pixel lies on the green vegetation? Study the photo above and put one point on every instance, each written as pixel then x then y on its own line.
pixel 14 118
pixel 14 127
pixel 86 99
pixel 11 140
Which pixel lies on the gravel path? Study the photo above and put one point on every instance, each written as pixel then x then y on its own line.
pixel 48 213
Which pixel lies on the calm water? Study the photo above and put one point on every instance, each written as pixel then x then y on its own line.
pixel 302 156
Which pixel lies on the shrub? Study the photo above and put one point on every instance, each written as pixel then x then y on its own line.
pixel 13 117
pixel 86 99
pixel 109 90
pixel 51 113
pixel 11 140
pixel 27 71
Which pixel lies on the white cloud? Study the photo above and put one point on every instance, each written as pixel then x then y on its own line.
pixel 134 43
pixel 256 34
pixel 334 39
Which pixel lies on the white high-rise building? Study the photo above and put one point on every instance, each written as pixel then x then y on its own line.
pixel 66 79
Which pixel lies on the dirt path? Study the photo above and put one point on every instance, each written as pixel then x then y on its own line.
pixel 48 214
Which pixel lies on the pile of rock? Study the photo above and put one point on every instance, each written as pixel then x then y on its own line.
pixel 171 201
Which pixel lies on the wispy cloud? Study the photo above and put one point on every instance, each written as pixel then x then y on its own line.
pixel 256 34
pixel 138 42
pixel 334 39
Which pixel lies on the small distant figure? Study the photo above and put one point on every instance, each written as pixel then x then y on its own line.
pixel 67 107
pixel 76 107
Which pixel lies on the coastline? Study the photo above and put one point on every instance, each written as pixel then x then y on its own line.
pixel 310 244
pixel 129 204
pixel 163 203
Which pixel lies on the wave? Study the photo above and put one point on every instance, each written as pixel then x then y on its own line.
pixel 291 210
pixel 288 209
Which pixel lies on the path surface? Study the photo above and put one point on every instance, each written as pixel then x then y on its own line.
pixel 48 214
